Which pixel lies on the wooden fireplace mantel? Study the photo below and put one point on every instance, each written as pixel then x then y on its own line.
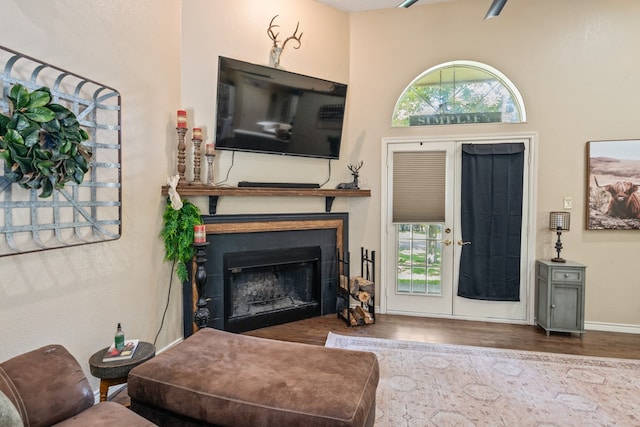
pixel 214 192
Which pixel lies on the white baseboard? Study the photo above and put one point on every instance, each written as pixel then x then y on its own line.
pixel 612 327
pixel 590 326
pixel 115 389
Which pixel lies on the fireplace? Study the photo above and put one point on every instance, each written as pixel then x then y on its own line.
pixel 268 269
pixel 268 287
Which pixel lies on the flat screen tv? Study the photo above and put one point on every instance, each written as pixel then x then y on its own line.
pixel 267 110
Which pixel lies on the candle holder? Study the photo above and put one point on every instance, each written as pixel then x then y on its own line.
pixel 202 313
pixel 181 152
pixel 210 158
pixel 196 160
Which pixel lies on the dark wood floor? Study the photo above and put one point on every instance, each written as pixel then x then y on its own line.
pixel 447 331
pixel 463 332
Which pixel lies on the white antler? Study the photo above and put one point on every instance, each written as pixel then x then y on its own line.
pixel 294 37
pixel 276 49
pixel 273 36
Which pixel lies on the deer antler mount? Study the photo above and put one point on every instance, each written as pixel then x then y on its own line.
pixel 278 47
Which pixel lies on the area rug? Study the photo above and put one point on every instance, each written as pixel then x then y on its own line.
pixel 449 385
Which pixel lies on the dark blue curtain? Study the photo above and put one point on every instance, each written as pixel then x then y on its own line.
pixel 491 220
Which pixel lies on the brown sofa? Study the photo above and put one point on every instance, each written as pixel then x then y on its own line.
pixel 47 387
pixel 218 378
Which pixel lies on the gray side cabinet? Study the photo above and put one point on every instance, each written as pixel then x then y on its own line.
pixel 560 296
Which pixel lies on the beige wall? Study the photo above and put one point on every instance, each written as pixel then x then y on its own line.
pixel 238 30
pixel 574 62
pixel 160 61
pixel 575 66
pixel 75 296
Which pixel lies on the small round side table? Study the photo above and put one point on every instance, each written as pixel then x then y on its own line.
pixel 116 372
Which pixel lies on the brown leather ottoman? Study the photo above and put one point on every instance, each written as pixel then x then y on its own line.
pixel 225 379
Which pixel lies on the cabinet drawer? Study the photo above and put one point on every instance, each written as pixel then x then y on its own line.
pixel 560 275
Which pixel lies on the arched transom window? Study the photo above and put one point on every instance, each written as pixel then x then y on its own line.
pixel 459 92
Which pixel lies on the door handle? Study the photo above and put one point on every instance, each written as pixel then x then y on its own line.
pixel 461 243
pixel 447 242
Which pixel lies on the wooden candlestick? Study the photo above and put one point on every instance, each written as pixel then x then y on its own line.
pixel 181 152
pixel 196 160
pixel 202 313
pixel 210 158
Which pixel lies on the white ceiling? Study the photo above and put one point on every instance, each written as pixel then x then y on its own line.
pixel 362 5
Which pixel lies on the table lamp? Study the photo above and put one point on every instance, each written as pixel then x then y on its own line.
pixel 559 222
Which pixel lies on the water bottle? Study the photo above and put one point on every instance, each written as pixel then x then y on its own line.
pixel 119 338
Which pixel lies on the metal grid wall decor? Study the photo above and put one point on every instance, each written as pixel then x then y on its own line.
pixel 76 214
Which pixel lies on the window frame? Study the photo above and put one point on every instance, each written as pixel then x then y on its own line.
pixel 495 73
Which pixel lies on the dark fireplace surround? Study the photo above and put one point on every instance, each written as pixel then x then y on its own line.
pixel 267 269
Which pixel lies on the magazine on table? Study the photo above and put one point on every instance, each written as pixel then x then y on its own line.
pixel 114 354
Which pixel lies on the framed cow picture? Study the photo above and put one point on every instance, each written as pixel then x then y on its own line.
pixel 613 180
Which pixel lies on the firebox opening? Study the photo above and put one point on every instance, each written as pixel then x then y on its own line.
pixel 270 287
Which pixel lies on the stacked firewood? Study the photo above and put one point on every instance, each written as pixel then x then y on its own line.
pixel 362 290
pixel 358 316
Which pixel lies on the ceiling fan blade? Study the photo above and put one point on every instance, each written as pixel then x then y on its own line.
pixel 407 3
pixel 495 8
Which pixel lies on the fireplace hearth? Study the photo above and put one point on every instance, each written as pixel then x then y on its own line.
pixel 268 269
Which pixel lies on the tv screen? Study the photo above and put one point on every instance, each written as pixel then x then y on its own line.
pixel 266 110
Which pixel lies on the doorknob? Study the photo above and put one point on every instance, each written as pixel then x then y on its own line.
pixel 447 242
pixel 461 243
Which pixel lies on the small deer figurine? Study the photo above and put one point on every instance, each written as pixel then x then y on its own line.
pixel 353 185
pixel 276 49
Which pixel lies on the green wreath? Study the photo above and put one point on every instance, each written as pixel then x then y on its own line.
pixel 41 142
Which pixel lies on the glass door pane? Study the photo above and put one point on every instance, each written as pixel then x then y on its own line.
pixel 419 259
pixel 420 245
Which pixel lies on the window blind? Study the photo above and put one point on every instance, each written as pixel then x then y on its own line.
pixel 419 179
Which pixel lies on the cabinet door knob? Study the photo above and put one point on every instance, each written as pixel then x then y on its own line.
pixel 566 274
pixel 553 306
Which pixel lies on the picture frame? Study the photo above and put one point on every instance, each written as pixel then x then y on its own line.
pixel 76 214
pixel 613 180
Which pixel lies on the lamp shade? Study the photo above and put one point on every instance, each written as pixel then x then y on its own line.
pixel 559 221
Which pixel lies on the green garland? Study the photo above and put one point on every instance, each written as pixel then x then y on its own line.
pixel 178 235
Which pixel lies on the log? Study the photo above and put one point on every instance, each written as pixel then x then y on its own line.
pixel 364 285
pixel 364 297
pixel 349 314
pixel 359 320
pixel 353 321
pixel 344 282
pixel 353 286
pixel 366 316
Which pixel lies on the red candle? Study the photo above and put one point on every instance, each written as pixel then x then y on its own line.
pixel 182 119
pixel 199 234
pixel 197 133
pixel 210 149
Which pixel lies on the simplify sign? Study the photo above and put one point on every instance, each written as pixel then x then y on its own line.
pixel 454 119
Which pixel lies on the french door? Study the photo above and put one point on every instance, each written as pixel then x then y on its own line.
pixel 421 260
